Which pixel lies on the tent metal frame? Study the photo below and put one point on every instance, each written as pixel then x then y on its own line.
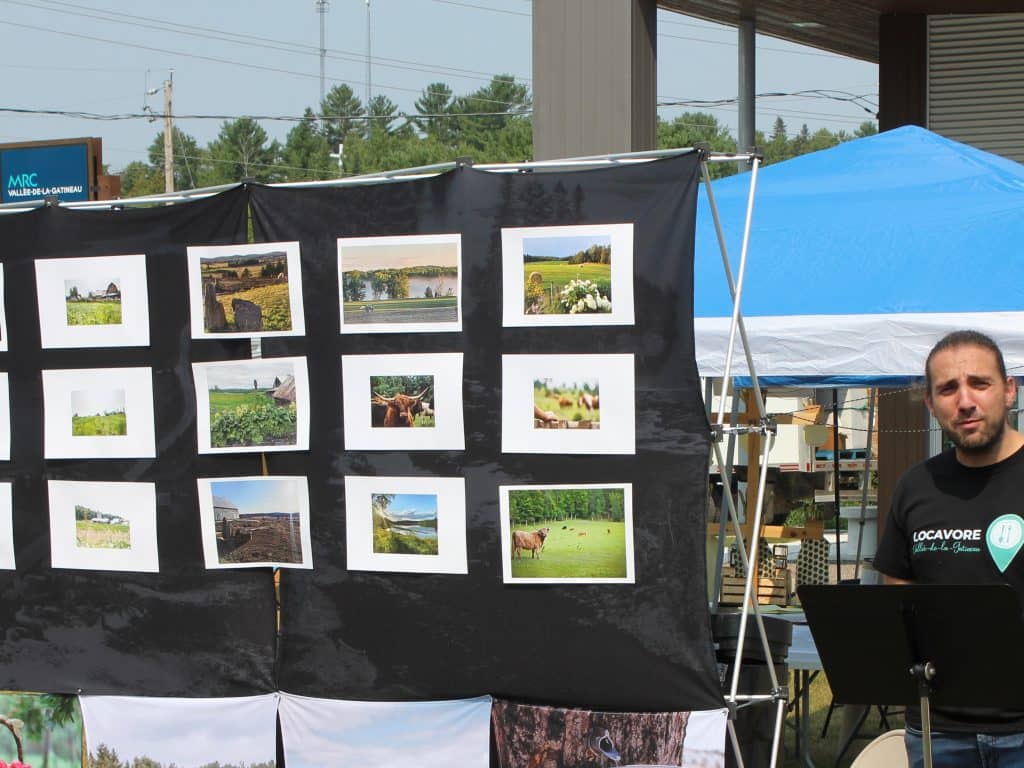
pixel 719 428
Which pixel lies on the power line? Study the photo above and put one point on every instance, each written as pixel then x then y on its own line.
pixel 483 8
pixel 270 118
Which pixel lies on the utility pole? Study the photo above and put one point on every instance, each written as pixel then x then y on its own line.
pixel 321 8
pixel 369 79
pixel 168 134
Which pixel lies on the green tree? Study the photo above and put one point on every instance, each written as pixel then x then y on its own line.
pixel 306 153
pixel 692 128
pixel 139 179
pixel 384 113
pixel 187 159
pixel 435 100
pixel 353 288
pixel 105 757
pixel 867 128
pixel 342 114
pixel 489 109
pixel 241 151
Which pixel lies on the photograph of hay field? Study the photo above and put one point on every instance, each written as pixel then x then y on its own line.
pixel 246 292
pixel 567 274
pixel 568 533
pixel 399 281
pixel 93 301
pixel 563 404
pixel 98 413
pixel 252 405
pixel 96 530
pixel 404 523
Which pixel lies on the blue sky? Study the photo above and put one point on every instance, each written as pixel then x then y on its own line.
pixel 413 506
pixel 261 57
pixel 260 495
pixel 562 247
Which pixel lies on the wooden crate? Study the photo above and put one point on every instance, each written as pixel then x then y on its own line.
pixel 770 591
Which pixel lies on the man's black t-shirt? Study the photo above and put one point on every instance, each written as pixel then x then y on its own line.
pixel 936 534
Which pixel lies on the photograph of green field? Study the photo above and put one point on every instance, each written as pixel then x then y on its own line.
pixel 252 404
pixel 95 530
pixel 93 301
pixel 570 533
pixel 399 282
pixel 404 523
pixel 559 403
pixel 98 413
pixel 567 274
pixel 401 401
pixel 246 292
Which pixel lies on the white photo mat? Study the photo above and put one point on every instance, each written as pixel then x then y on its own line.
pixel 451 524
pixel 6 527
pixel 5 417
pixel 3 312
pixel 514 278
pixel 506 534
pixel 616 375
pixel 261 494
pixel 131 387
pixel 397 734
pixel 205 375
pixel 197 253
pixel 448 432
pixel 134 503
pixel 93 274
pixel 349 253
pixel 207 731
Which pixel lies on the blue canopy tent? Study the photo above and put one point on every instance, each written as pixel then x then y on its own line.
pixel 862 256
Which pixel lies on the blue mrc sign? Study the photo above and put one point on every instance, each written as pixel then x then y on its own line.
pixel 34 173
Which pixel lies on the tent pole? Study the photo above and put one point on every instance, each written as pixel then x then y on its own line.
pixel 835 478
pixel 865 479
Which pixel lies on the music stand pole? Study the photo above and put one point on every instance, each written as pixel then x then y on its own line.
pixel 924 673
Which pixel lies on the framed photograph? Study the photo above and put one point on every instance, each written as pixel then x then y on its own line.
pixel 568 404
pixel 94 301
pixel 3 312
pixel 103 526
pixel 567 534
pixel 248 291
pixel 98 413
pixel 404 284
pixel 5 417
pixel 578 275
pixel 385 734
pixel 229 731
pixel 252 406
pixel 255 522
pixel 403 402
pixel 6 527
pixel 406 524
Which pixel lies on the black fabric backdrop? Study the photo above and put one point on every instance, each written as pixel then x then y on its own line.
pixel 363 635
pixel 184 631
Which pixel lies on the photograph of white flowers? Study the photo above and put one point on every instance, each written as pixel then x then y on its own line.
pixel 575 275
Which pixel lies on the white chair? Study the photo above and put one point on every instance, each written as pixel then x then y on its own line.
pixel 886 751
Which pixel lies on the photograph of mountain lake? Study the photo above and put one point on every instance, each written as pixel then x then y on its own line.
pixel 404 523
pixel 399 280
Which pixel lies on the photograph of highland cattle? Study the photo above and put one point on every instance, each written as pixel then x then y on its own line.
pixel 93 301
pixel 399 283
pixel 255 521
pixel 252 405
pixel 567 274
pixel 404 523
pixel 402 401
pixel 566 404
pixel 567 534
pixel 246 290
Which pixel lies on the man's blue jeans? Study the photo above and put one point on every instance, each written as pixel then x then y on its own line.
pixel 967 750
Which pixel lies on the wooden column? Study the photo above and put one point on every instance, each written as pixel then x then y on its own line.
pixel 902 442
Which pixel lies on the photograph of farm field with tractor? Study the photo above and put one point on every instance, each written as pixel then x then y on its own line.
pixel 567 274
pixel 252 404
pixel 404 523
pixel 95 301
pixel 96 530
pixel 568 533
pixel 564 404
pixel 246 292
pixel 399 282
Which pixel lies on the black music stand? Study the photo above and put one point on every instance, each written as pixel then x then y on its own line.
pixel 948 645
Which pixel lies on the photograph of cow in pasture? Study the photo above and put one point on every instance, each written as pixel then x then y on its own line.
pixel 404 523
pixel 567 534
pixel 103 526
pixel 566 404
pixel 567 274
pixel 246 290
pixel 252 405
pixel 391 284
pixel 402 401
pixel 98 413
pixel 95 529
pixel 94 300
pixel 255 521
